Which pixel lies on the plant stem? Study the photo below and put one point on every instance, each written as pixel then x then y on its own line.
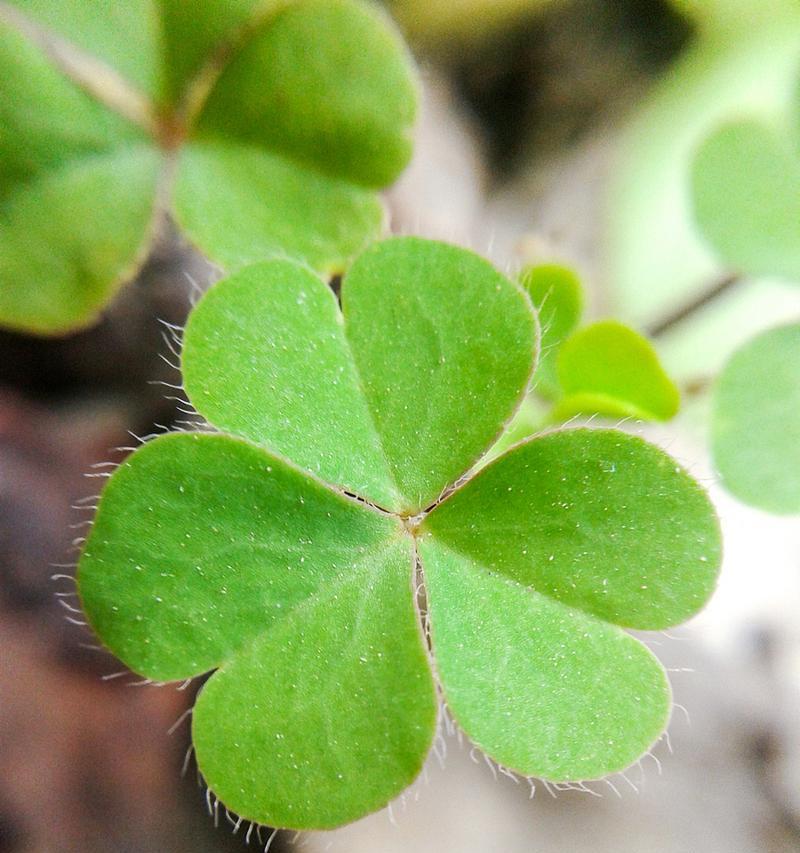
pixel 684 312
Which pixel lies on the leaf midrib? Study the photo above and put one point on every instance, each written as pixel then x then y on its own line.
pixel 366 564
pixel 531 590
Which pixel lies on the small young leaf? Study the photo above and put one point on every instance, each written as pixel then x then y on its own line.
pixel 756 422
pixel 543 688
pixel 557 295
pixel 607 368
pixel 597 519
pixel 746 183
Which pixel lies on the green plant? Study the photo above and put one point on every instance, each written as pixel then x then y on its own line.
pixel 746 193
pixel 741 61
pixel 604 368
pixel 263 127
pixel 334 555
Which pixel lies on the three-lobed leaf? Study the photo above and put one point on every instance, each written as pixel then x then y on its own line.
pixel 269 125
pixel 215 552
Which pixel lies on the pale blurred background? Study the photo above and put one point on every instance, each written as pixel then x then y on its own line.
pixel 551 130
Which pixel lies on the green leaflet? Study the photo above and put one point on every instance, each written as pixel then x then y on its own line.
pixel 544 689
pixel 270 125
pixel 73 237
pixel 756 421
pixel 211 540
pixel 746 185
pixel 346 400
pixel 222 182
pixel 329 716
pixel 530 567
pixel 126 36
pixel 599 520
pixel 211 552
pixel 445 347
pixel 609 369
pixel 76 196
pixel 298 391
pixel 556 294
pixel 359 132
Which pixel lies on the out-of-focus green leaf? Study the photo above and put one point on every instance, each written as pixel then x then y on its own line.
pixel 70 239
pixel 77 192
pixel 655 258
pixel 746 184
pixel 326 84
pixel 241 204
pixel 126 36
pixel 756 422
pixel 609 369
pixel 557 295
pixel 278 120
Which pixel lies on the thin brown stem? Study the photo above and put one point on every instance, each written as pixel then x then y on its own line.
pixel 684 312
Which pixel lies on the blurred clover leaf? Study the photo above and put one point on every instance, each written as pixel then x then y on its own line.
pixel 303 552
pixel 746 185
pixel 746 191
pixel 741 60
pixel 756 421
pixel 605 368
pixel 263 127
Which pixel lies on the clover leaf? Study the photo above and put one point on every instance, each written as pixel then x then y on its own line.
pixel 263 127
pixel 291 553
